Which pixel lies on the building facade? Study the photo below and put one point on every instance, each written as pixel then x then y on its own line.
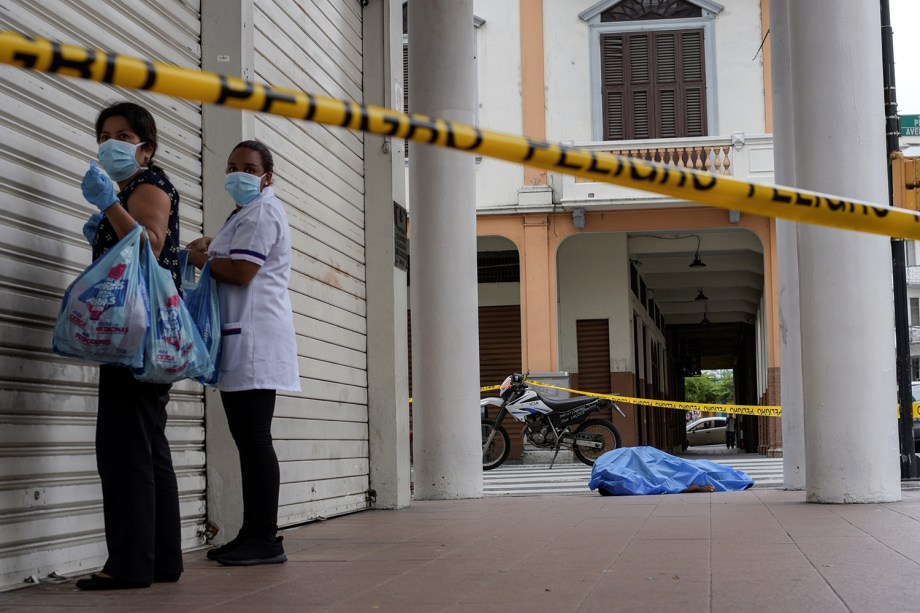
pixel 614 289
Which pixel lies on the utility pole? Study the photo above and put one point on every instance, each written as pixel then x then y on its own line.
pixel 909 466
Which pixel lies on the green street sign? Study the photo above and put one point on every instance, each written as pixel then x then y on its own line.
pixel 910 125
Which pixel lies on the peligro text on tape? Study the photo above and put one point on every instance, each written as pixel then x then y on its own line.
pixel 705 188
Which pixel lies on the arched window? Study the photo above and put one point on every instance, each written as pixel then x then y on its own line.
pixel 635 10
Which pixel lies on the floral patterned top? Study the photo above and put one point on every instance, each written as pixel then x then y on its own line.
pixel 106 238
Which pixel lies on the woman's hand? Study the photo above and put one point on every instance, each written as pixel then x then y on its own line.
pixel 98 189
pixel 200 244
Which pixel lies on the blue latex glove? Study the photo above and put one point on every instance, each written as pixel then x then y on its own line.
pixel 97 188
pixel 90 227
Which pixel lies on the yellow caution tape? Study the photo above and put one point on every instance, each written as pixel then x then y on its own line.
pixel 208 87
pixel 738 409
pixel 916 410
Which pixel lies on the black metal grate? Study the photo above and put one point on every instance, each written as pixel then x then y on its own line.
pixel 498 266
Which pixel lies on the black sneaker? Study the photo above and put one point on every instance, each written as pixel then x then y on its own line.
pixel 216 552
pixel 254 551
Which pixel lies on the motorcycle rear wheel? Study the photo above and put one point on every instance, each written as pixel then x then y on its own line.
pixel 498 449
pixel 609 434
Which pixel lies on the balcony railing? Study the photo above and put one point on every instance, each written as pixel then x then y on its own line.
pixel 914 334
pixel 739 155
pixel 913 274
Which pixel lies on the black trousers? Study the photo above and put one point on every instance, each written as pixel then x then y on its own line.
pixel 729 439
pixel 249 415
pixel 140 496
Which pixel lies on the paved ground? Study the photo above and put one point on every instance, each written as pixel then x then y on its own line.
pixel 759 550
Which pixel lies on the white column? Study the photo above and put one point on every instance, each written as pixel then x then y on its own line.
pixel 226 32
pixel 787 259
pixel 387 350
pixel 847 315
pixel 445 341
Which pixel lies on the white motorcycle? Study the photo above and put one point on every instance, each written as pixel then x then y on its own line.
pixel 548 424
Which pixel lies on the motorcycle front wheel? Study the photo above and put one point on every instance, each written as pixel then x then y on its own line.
pixel 497 452
pixel 608 433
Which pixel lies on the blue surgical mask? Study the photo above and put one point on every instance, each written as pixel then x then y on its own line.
pixel 117 159
pixel 243 187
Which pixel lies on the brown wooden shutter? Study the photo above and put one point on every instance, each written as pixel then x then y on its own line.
pixel 667 85
pixel 641 117
pixel 409 345
pixel 593 341
pixel 406 83
pixel 500 356
pixel 499 344
pixel 653 85
pixel 693 83
pixel 613 86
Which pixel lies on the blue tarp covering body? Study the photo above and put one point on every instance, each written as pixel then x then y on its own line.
pixel 636 471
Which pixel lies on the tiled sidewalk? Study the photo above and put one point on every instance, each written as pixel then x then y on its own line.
pixel 763 550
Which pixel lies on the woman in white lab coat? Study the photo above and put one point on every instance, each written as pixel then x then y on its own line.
pixel 251 260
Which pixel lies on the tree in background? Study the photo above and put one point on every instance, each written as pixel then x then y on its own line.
pixel 713 387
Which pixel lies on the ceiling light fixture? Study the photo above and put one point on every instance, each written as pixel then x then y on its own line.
pixel 697 262
pixel 700 295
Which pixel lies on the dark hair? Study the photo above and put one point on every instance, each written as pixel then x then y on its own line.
pixel 141 122
pixel 268 162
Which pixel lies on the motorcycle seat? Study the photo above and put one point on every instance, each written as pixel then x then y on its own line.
pixel 570 403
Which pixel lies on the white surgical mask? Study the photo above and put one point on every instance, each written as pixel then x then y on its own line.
pixel 117 158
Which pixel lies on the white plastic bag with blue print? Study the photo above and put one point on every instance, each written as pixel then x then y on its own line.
pixel 174 349
pixel 203 302
pixel 103 317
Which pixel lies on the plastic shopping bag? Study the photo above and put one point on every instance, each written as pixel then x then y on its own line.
pixel 203 304
pixel 174 349
pixel 103 318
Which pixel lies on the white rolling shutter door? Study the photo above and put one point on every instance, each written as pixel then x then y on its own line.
pixel 50 499
pixel 320 434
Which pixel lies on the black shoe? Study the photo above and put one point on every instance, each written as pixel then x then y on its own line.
pixel 215 553
pixel 97 582
pixel 254 551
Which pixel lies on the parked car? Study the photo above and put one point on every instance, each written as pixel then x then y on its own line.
pixel 706 431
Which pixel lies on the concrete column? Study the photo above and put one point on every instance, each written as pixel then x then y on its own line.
pixel 445 355
pixel 787 258
pixel 226 48
pixel 533 89
pixel 847 316
pixel 387 352
pixel 538 296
